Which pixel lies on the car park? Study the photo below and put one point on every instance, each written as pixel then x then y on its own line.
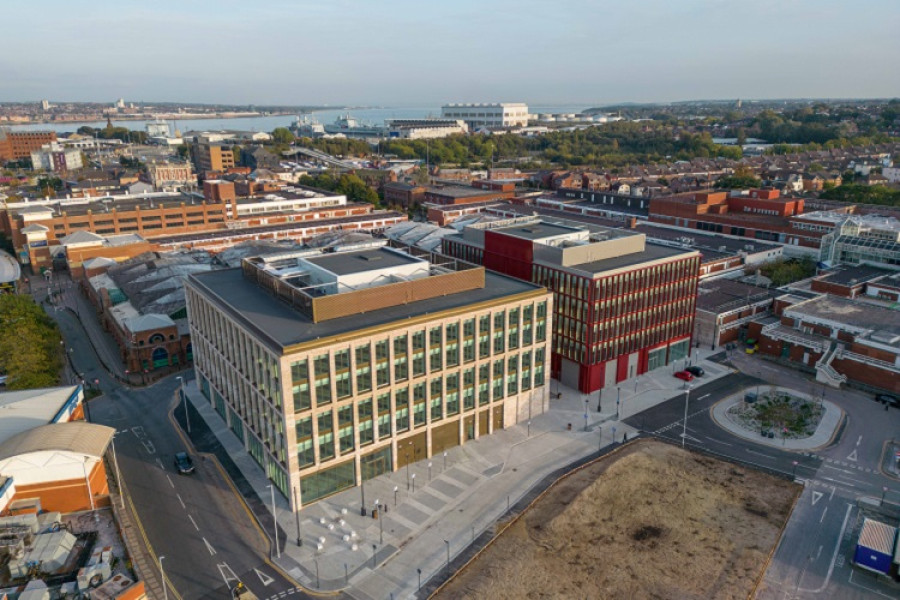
pixel 183 463
pixel 696 371
pixel 684 375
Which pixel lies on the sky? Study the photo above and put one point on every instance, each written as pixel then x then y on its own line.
pixel 430 52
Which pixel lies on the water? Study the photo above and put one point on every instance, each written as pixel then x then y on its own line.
pixel 366 116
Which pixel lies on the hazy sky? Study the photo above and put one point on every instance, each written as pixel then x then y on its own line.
pixel 427 52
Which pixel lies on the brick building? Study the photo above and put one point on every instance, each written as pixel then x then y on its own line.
pixel 841 339
pixel 623 306
pixel 15 145
pixel 403 194
pixel 452 194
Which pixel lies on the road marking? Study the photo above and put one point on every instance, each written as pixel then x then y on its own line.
pixel 193 522
pixel 843 483
pixel 837 547
pixel 718 441
pixel 874 591
pixel 816 496
pixel 181 501
pixel 859 440
pixel 265 579
pixel 159 462
pixel 837 469
pixel 760 453
pixel 819 553
pixel 212 551
pixel 703 396
pixel 852 456
pixel 231 577
pixel 170 481
pixel 823 517
pixel 831 495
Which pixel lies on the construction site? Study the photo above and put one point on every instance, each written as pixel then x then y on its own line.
pixel 648 521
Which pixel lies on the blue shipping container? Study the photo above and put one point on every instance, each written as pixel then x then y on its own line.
pixel 875 548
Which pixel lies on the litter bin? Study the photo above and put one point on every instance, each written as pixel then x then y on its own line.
pixel 374 513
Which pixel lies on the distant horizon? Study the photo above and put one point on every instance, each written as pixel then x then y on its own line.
pixel 404 52
pixel 332 105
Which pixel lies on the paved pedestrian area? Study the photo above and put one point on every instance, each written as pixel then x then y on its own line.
pixel 434 509
pixel 823 435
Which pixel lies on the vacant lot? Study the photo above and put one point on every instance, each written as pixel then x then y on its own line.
pixel 651 521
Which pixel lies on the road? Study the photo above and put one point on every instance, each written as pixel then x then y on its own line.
pixel 812 559
pixel 197 522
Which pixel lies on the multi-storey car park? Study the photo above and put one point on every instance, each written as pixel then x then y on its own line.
pixel 333 368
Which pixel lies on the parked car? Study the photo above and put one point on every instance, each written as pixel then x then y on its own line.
pixel 183 463
pixel 685 375
pixel 888 399
pixel 696 371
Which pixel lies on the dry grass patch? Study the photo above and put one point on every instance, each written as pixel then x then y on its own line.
pixel 651 521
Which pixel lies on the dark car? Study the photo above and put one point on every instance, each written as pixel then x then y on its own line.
pixel 696 371
pixel 888 399
pixel 183 463
pixel 684 375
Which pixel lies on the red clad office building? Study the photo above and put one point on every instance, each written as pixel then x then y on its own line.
pixel 623 306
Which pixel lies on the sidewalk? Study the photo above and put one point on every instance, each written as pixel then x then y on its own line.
pixel 829 424
pixel 442 503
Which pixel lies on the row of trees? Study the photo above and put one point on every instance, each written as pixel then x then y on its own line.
pixel 350 185
pixel 132 136
pixel 29 344
pixel 863 194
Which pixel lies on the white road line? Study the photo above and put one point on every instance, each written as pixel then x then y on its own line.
pixel 874 591
pixel 193 522
pixel 832 494
pixel 170 481
pixel 837 547
pixel 718 441
pixel 760 453
pixel 859 440
pixel 844 483
pixel 703 396
pixel 837 469
pixel 182 501
pixel 209 547
pixel 824 512
pixel 159 462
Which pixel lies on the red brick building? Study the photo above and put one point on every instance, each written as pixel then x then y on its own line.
pixel 453 194
pixel 623 306
pixel 19 144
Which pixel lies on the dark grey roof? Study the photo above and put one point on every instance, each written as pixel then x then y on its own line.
pixel 721 295
pixel 856 275
pixel 347 263
pixel 535 231
pixel 280 326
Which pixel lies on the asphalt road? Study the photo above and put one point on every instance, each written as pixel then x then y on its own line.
pixel 197 522
pixel 813 556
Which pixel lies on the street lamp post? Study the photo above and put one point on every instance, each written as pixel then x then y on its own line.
pixel 883 492
pixel 413 483
pixel 275 521
pixel 419 572
pixel 396 488
pixel 529 428
pixel 794 472
pixel 162 575
pixel 687 395
pixel 407 465
pixel 445 460
pixel 585 414
pixel 429 471
pixel 380 522
pixel 362 493
pixel 297 517
pixel 187 418
pixel 448 555
pixel 374 554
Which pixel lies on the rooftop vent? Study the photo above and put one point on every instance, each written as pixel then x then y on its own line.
pixel 369 258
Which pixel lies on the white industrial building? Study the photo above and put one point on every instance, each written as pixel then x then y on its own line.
pixel 503 115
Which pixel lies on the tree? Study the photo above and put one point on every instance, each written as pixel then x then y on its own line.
pixel 29 344
pixel 282 135
pixel 184 151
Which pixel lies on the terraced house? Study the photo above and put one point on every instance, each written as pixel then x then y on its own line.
pixel 334 368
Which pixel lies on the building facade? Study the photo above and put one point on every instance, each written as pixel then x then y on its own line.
pixel 170 177
pixel 15 145
pixel 488 116
pixel 325 396
pixel 56 159
pixel 623 307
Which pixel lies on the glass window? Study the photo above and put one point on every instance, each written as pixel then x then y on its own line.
pixel 363 369
pixel 419 404
pixel 304 431
pixel 452 394
pixel 327 481
pixel 323 380
pixel 345 428
pixel 401 409
pixel 300 385
pixel 326 436
pixel 384 416
pixel 366 422
pixel 437 399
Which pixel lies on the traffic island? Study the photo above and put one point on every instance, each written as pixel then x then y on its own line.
pixel 651 520
pixel 779 417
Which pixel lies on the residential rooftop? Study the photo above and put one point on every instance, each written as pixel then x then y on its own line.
pixel 856 275
pixel 873 322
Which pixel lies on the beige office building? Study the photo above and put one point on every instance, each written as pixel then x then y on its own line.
pixel 333 368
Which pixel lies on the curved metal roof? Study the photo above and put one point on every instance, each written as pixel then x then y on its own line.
pixel 79 437
pixel 9 268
